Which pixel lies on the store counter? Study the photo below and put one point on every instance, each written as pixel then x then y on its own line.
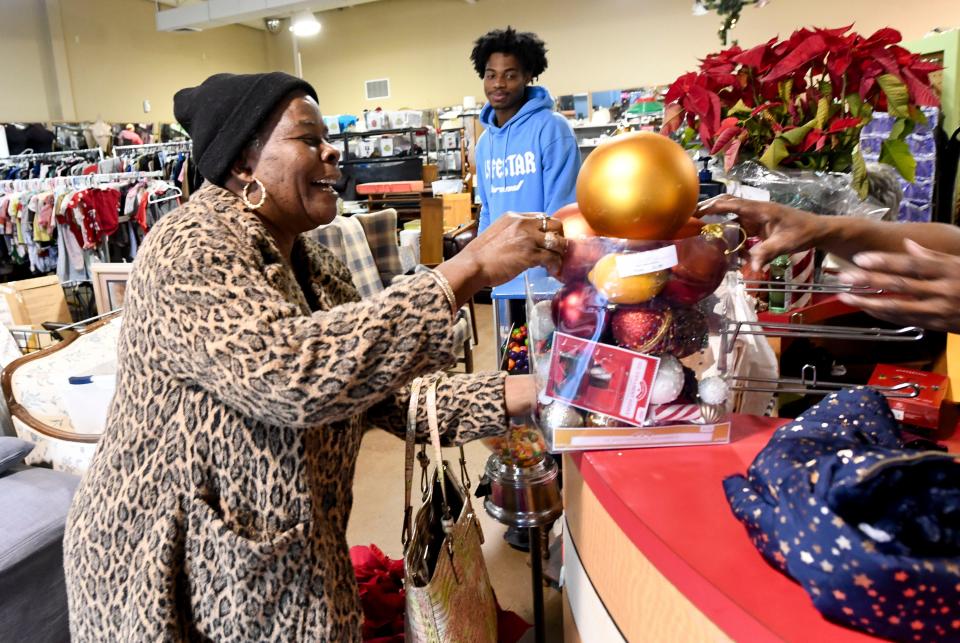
pixel 652 551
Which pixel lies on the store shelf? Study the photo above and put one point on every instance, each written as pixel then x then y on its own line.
pixel 377 132
pixel 380 159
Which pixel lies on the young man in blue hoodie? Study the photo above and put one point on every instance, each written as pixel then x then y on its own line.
pixel 527 159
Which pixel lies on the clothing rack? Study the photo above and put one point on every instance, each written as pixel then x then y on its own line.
pixel 34 156
pixel 79 180
pixel 174 145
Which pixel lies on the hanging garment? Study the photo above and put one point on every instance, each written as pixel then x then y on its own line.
pixel 869 527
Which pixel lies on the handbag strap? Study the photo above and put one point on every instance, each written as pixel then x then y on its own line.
pixel 411 440
pixel 434 425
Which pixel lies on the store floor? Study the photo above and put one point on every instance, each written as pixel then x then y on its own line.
pixel 378 508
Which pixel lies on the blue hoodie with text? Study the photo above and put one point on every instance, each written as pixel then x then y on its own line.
pixel 528 165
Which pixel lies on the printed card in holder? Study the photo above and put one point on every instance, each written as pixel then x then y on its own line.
pixel 600 378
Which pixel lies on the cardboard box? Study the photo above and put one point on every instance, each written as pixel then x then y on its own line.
pixel 456 209
pixel 32 302
pixel 923 410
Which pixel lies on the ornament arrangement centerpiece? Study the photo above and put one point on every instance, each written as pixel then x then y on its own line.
pixel 616 342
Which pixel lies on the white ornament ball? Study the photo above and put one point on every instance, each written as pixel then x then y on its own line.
pixel 541 325
pixel 669 381
pixel 559 415
pixel 714 390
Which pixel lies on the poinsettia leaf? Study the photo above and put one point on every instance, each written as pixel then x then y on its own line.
pixel 672 119
pixel 902 128
pixel 860 183
pixel 688 136
pixel 823 113
pixel 764 107
pixel 840 124
pixel 775 152
pixel 886 60
pixel 755 57
pixel 730 121
pixel 922 93
pixel 724 138
pixel 805 51
pixel 917 115
pixel 821 142
pixel 705 134
pixel 732 154
pixel 811 139
pixel 924 66
pixel 796 135
pixel 898 97
pixel 884 36
pixel 854 103
pixel 740 108
pixel 897 153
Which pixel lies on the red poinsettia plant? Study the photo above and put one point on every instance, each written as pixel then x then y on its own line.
pixel 802 102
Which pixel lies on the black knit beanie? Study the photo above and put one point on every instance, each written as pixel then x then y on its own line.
pixel 223 113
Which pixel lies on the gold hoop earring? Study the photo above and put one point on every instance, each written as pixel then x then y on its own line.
pixel 263 194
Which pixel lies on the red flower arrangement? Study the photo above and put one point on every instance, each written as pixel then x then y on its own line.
pixel 802 102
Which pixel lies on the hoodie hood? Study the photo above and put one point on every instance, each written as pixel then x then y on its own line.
pixel 537 100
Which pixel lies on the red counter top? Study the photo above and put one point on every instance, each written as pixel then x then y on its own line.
pixel 671 504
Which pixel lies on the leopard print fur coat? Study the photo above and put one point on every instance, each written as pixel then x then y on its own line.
pixel 216 506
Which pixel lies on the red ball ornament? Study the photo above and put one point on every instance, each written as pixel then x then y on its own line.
pixel 702 264
pixel 579 310
pixel 644 328
pixel 580 258
pixel 574 225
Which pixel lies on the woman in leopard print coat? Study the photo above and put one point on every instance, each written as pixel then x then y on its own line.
pixel 216 506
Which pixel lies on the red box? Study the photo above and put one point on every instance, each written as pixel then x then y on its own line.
pixel 923 410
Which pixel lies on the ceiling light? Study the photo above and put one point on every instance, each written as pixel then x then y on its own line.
pixel 304 24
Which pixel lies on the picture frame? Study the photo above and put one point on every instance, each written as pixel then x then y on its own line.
pixel 109 285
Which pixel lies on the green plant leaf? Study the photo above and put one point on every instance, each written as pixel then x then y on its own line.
pixel 902 128
pixel 897 153
pixel 689 134
pixel 775 152
pixel 823 113
pixel 786 90
pixel 797 134
pixel 854 104
pixel 739 108
pixel 917 115
pixel 898 97
pixel 860 183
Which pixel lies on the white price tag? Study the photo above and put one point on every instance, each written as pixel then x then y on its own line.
pixel 898 414
pixel 642 263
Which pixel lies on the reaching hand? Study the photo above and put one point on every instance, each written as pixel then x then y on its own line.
pixel 515 242
pixel 923 287
pixel 784 230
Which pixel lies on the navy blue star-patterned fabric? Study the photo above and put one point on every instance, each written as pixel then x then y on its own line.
pixel 868 527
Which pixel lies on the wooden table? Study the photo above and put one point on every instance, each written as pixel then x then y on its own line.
pixel 652 551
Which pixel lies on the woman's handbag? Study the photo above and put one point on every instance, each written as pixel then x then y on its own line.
pixel 448 594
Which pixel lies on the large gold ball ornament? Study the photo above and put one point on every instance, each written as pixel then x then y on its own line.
pixel 638 186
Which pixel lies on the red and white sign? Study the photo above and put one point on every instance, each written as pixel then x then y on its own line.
pixel 601 378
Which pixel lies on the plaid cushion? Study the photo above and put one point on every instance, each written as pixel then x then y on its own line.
pixel 345 238
pixel 381 230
